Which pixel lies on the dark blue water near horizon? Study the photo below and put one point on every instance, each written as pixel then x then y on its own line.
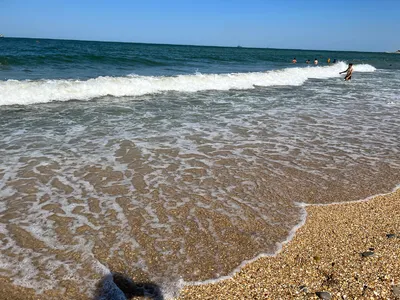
pixel 26 58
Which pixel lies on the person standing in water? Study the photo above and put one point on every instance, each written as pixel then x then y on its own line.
pixel 315 61
pixel 329 61
pixel 349 72
pixel 294 60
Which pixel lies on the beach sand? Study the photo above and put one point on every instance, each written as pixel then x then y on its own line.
pixel 324 255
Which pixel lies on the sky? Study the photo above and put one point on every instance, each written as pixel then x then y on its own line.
pixel 363 25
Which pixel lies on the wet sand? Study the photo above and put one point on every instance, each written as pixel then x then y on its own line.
pixel 326 255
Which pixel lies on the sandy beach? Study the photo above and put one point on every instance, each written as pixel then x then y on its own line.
pixel 350 250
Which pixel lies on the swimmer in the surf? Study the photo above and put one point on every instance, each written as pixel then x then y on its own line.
pixel 349 72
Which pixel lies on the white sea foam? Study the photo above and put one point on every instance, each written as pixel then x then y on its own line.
pixel 364 68
pixel 42 91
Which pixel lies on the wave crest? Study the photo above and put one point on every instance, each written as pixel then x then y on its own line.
pixel 41 91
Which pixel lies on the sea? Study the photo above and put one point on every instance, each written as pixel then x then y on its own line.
pixel 179 164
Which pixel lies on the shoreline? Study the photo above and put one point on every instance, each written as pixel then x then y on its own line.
pixel 290 236
pixel 299 269
pixel 308 261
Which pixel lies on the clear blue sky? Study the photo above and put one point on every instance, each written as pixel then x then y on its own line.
pixel 365 25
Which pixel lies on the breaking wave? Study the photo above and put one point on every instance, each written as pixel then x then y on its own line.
pixel 41 91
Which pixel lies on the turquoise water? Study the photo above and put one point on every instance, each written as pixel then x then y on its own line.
pixel 178 163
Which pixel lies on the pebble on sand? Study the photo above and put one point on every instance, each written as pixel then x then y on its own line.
pixel 367 254
pixel 324 295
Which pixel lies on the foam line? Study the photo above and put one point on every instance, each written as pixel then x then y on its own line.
pixel 41 91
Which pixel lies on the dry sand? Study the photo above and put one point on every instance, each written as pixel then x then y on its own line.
pixel 324 255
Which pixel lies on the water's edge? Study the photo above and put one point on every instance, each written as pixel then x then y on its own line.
pixel 290 237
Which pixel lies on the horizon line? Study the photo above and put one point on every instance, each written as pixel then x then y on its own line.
pixel 192 45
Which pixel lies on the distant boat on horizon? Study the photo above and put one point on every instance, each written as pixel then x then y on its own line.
pixel 1 36
pixel 395 52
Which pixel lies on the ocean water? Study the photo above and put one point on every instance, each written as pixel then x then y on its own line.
pixel 176 164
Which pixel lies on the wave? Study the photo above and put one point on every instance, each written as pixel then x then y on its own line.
pixel 41 91
pixel 55 59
